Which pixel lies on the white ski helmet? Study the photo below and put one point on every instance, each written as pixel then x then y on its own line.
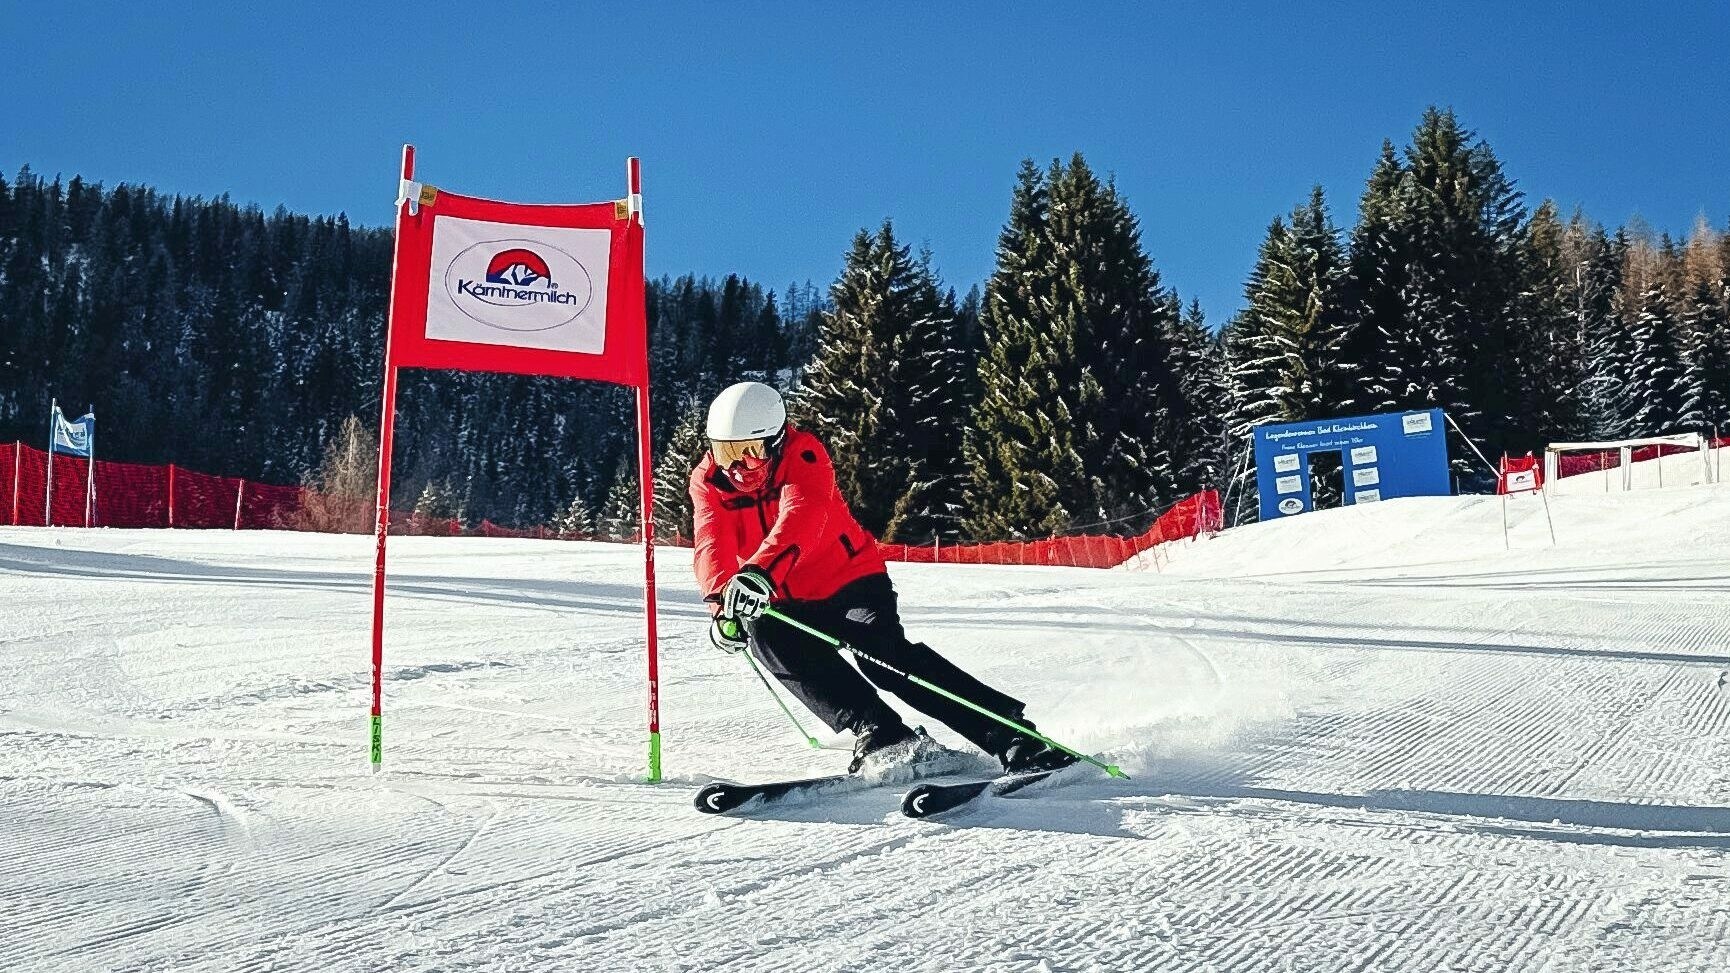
pixel 748 410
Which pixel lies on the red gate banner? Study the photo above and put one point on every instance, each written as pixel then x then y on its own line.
pixel 1520 474
pixel 490 286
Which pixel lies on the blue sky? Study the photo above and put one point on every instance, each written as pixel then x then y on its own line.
pixel 771 132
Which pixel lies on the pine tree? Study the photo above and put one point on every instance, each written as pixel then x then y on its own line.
pixel 436 502
pixel 681 454
pixel 1439 284
pixel 885 389
pixel 620 518
pixel 1252 377
pixel 1199 411
pixel 1704 319
pixel 802 307
pixel 1073 425
pixel 1124 318
pixel 1305 301
pixel 1284 350
pixel 1013 441
pixel 577 521
pixel 1373 308
pixel 1551 348
pixel 1705 325
pixel 1663 400
pixel 1255 357
pixel 1604 332
pixel 939 367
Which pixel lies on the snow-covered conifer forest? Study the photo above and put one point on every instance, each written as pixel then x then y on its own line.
pixel 1075 387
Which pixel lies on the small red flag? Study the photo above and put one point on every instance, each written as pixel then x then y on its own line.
pixel 1520 474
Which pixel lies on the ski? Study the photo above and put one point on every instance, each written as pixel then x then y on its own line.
pixel 723 796
pixel 928 799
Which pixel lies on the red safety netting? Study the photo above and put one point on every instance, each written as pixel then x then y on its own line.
pixel 1196 515
pixel 490 529
pixel 26 472
pixel 129 494
pixel 1574 464
pixel 136 495
pixel 268 506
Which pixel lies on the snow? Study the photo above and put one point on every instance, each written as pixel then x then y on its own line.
pixel 1362 739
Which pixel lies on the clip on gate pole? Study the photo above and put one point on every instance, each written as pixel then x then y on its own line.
pixel 1110 769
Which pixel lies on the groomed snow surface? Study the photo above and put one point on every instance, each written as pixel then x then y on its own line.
pixel 1364 739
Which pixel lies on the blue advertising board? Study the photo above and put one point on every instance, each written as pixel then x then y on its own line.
pixel 1395 454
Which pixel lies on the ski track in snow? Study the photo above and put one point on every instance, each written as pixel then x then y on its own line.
pixel 1360 740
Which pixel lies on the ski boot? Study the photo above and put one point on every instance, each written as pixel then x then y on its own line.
pixel 1021 754
pixel 1025 755
pixel 873 743
pixel 897 754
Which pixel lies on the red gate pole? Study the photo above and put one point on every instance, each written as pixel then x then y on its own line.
pixel 171 495
pixel 645 473
pixel 645 478
pixel 17 455
pixel 48 489
pixel 386 433
pixel 239 491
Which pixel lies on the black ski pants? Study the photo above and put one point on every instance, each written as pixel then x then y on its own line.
pixel 863 614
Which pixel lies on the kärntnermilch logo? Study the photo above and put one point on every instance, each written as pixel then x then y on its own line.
pixel 517 266
pixel 517 277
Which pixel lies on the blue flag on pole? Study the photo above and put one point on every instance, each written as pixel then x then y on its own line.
pixel 74 437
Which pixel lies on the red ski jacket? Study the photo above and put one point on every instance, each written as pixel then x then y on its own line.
pixel 797 528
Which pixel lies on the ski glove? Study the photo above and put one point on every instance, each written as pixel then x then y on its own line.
pixel 747 596
pixel 727 635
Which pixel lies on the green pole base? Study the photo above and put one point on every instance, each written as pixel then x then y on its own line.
pixel 377 742
pixel 654 758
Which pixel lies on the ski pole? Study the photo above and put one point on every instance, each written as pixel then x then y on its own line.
pixel 778 701
pixel 946 694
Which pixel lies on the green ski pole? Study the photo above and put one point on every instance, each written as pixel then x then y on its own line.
pixel 946 694
pixel 778 701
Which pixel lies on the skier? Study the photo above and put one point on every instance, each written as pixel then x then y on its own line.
pixel 771 527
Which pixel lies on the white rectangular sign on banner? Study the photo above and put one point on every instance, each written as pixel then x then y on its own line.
pixel 1367 476
pixel 539 287
pixel 1367 496
pixel 1416 422
pixel 1285 464
pixel 1363 455
pixel 1289 484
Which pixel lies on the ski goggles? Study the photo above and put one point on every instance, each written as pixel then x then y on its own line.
pixel 751 452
